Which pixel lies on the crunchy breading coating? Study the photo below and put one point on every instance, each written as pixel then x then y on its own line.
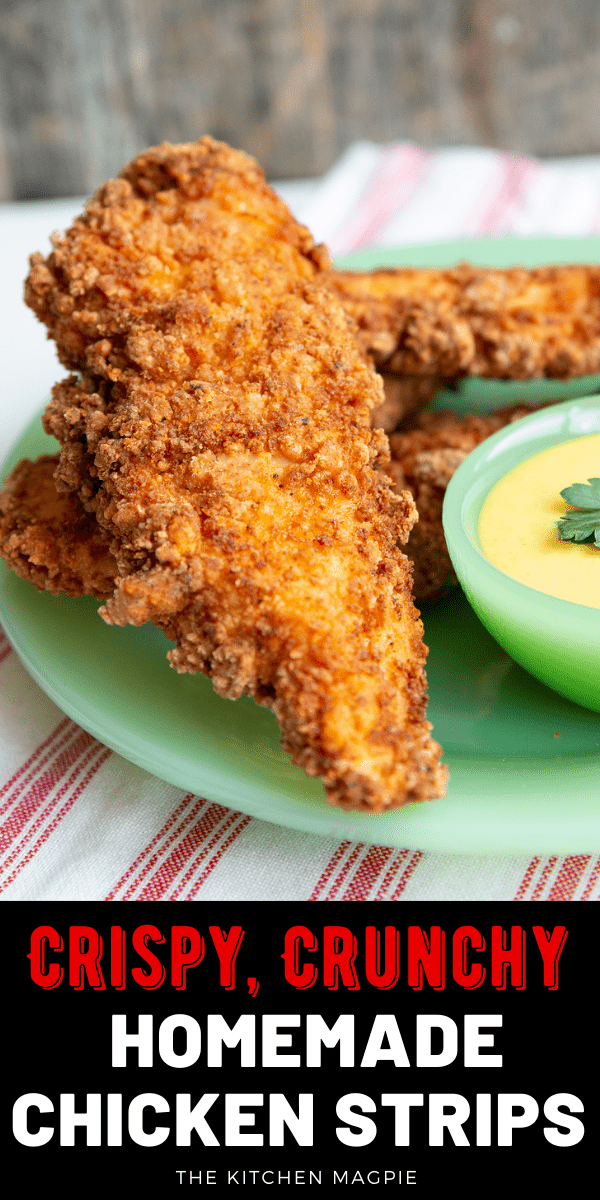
pixel 48 538
pixel 219 431
pixel 500 324
pixel 425 455
pixel 57 545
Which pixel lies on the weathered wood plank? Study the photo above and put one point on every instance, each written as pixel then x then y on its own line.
pixel 85 84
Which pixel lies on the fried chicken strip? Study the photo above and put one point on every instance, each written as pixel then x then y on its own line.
pixel 218 430
pixel 58 546
pixel 48 538
pixel 425 455
pixel 53 542
pixel 500 324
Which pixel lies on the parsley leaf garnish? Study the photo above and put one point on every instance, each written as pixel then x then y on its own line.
pixel 582 522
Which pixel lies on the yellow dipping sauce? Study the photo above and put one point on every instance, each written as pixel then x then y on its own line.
pixel 517 524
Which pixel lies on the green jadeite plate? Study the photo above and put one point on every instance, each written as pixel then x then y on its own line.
pixel 514 786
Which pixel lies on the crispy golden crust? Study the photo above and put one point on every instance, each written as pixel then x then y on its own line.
pixel 47 537
pixel 425 455
pixel 503 324
pixel 219 431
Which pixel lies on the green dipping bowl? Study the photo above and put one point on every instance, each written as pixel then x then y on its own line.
pixel 558 641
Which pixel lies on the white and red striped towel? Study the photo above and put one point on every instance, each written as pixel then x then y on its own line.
pixel 77 822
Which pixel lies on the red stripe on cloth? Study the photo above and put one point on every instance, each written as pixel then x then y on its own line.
pixel 36 753
pixel 29 830
pixel 329 869
pixel 387 193
pixel 399 857
pixel 337 882
pixel 162 833
pixel 199 806
pixel 70 735
pixel 201 879
pixel 592 881
pixel 526 880
pixel 569 876
pixel 51 828
pixel 215 821
pixel 516 173
pixel 406 874
pixel 191 815
pixel 41 788
pixel 5 646
pixel 368 872
pixel 543 879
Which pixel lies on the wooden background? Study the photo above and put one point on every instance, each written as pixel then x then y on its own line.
pixel 85 84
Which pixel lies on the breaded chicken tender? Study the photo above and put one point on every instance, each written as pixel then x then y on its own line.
pixel 217 428
pixel 500 324
pixel 425 455
pixel 58 546
pixel 48 538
